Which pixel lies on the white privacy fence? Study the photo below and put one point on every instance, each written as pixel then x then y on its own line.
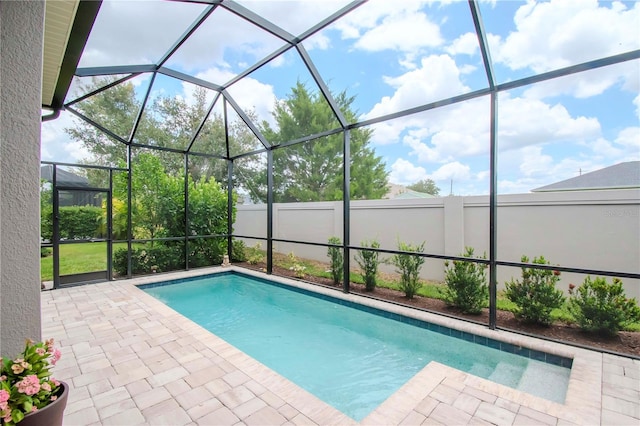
pixel 586 229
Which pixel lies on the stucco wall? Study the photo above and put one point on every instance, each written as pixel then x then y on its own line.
pixel 21 35
pixel 589 230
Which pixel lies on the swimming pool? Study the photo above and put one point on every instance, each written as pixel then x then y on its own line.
pixel 351 356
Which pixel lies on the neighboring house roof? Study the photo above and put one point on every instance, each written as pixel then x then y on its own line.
pixel 410 193
pixel 395 191
pixel 619 176
pixel 63 177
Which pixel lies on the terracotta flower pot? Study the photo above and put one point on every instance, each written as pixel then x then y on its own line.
pixel 51 415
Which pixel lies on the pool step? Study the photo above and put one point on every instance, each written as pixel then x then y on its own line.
pixel 506 374
pixel 541 375
pixel 481 370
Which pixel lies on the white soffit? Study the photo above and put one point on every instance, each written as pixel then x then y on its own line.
pixel 58 21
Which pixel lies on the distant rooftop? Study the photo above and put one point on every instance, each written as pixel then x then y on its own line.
pixel 619 176
pixel 63 177
pixel 410 193
pixel 396 191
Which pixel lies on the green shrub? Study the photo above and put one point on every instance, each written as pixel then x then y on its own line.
pixel 255 254
pixel 297 267
pixel 146 260
pixel 369 261
pixel 46 224
pixel 76 223
pixel 336 260
pixel 79 222
pixel 45 252
pixel 238 251
pixel 207 251
pixel 535 295
pixel 46 211
pixel 600 306
pixel 408 266
pixel 466 284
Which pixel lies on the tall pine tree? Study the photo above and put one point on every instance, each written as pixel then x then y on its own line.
pixel 312 171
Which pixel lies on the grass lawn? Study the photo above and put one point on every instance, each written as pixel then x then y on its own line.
pixel 78 258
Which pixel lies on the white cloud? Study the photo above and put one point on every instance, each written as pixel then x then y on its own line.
pixel 249 93
pixel 234 42
pixel 437 78
pixel 402 32
pixel 629 138
pixel 524 122
pixel 462 130
pixel 467 69
pixel 77 152
pixel 589 83
pixel 518 186
pixel 141 32
pixel 371 14
pixel 424 152
pixel 404 172
pixel 402 27
pixel 56 145
pixel 448 133
pixel 534 161
pixel 527 168
pixel 466 44
pixel 318 41
pixel 454 170
pixel 559 33
pixel 188 94
pixel 126 33
pixel 294 16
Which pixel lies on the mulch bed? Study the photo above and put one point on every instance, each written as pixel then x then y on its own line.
pixel 625 343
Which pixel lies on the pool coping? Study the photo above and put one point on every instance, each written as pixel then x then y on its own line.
pixel 583 398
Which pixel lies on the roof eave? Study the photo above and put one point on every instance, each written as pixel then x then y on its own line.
pixel 83 21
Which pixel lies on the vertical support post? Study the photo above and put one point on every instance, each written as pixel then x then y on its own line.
pixel 110 227
pixel 346 209
pixel 129 215
pixel 493 212
pixel 186 211
pixel 229 208
pixel 483 43
pixel 270 211
pixel 229 180
pixel 56 227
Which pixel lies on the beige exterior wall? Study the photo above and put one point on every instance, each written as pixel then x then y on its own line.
pixel 590 229
pixel 21 24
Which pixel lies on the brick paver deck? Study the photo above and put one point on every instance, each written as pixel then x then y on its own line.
pixel 130 360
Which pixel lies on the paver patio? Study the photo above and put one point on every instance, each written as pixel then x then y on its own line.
pixel 129 359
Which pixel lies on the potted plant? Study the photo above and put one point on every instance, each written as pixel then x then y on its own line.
pixel 29 395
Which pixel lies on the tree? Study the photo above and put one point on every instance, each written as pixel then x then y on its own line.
pixel 115 109
pixel 308 171
pixel 157 203
pixel 312 171
pixel 426 186
pixel 168 122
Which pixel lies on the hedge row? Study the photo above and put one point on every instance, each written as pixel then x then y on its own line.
pixel 75 223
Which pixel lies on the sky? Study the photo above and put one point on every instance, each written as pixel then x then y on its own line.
pixel 396 55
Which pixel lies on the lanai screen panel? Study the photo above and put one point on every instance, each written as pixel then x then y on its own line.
pixel 556 80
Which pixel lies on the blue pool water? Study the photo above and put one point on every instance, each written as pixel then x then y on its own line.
pixel 351 358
